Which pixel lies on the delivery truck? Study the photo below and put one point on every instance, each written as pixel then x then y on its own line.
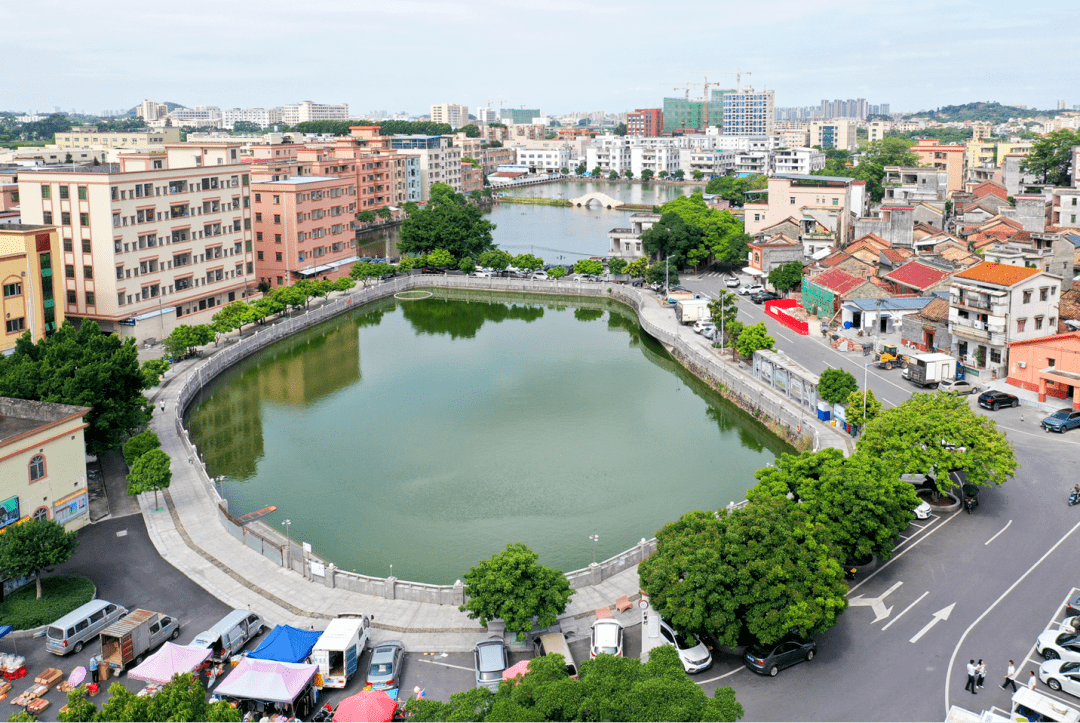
pixel 338 651
pixel 690 310
pixel 133 636
pixel 930 370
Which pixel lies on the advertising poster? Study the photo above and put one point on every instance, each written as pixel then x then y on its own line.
pixel 9 511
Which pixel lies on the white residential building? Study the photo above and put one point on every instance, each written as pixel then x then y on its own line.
pixel 201 116
pixel 714 162
pixel 797 160
pixel 548 160
pixel 308 111
pixel 609 153
pixel 453 114
pixel 150 110
pixel 262 117
pixel 654 159
pixel 749 113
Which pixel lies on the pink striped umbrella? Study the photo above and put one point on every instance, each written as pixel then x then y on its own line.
pixel 516 669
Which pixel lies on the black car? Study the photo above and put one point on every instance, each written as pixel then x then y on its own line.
pixel 996 400
pixel 763 296
pixel 769 659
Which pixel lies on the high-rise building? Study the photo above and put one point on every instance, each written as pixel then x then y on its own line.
pixel 681 115
pixel 440 160
pixel 520 116
pixel 833 134
pixel 450 113
pixel 308 111
pixel 486 115
pixel 150 110
pixel 262 117
pixel 645 122
pixel 159 239
pixel 749 113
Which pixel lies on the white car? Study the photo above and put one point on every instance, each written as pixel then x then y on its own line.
pixel 702 324
pixel 1057 645
pixel 1060 675
pixel 693 653
pixel 481 274
pixel 732 282
pixel 751 289
pixel 607 637
pixel 959 386
pixel 540 275
pixel 923 511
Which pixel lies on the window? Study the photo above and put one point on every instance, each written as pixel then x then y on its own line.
pixel 258 236
pixel 88 272
pixel 71 298
pixel 258 197
pixel 86 246
pixel 14 289
pixel 69 271
pixel 260 256
pixel 37 467
pixel 16 325
pixel 279 281
pixel 46 191
pixel 82 193
pixel 46 217
pixel 277 218
pixel 1020 325
pixel 1038 323
pixel 65 218
pixel 277 238
pixel 41 513
pixel 1027 297
pixel 64 193
pixel 1044 293
pixel 90 299
pixel 1050 361
pixel 277 256
pixel 277 199
pixel 995 356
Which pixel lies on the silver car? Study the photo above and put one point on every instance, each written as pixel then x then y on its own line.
pixel 384 670
pixel 491 659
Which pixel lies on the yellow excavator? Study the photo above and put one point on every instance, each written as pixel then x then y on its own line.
pixel 890 357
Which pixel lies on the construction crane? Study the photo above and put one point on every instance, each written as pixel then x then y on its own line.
pixel 678 88
pixel 738 73
pixel 489 107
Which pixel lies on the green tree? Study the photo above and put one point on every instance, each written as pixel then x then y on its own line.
pixel 366 216
pixel 754 338
pixel 589 266
pixel 580 169
pixel 613 175
pixel 184 338
pixel 31 547
pixel 663 174
pixel 628 173
pixel 598 172
pixel 766 569
pixel 679 174
pixel 647 174
pixel 152 371
pixel 889 151
pixel 557 272
pixel 616 265
pixel 79 708
pixel 724 309
pixel 343 283
pixel 697 175
pixel 732 331
pixel 836 386
pixel 637 267
pixel 244 127
pixel 662 272
pixel 22 716
pixel 139 445
pixel 564 170
pixel 410 207
pixel 469 705
pixel 934 434
pixel 181 699
pixel 467 265
pixel 440 259
pixel 151 471
pixel 734 189
pixel 1050 157
pixel 448 222
pixel 471 130
pixel 234 316
pixel 620 129
pixel 527 262
pixel 787 277
pixel 495 259
pixel 676 240
pixel 855 407
pixel 513 586
pixel 384 213
pixel 721 232
pixel 85 368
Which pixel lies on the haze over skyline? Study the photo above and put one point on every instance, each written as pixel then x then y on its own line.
pixel 559 56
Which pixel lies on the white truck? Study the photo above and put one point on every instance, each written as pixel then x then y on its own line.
pixel 687 311
pixel 338 651
pixel 930 370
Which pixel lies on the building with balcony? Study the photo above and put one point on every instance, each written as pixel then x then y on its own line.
pixel 645 122
pixel 92 138
pixel 748 113
pixel 308 111
pixel 157 240
pixel 803 161
pixel 1049 366
pixel 29 266
pixel 453 114
pixel 908 186
pixel 943 158
pixel 625 243
pixel 991 306
pixel 1053 253
pixel 818 202
pixel 440 160
pixel 833 134
pixel 1066 208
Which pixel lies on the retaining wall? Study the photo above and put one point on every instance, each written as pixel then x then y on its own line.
pixel 735 383
pixel 774 310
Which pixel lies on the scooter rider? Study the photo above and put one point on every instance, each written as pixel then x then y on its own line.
pixel 1074 496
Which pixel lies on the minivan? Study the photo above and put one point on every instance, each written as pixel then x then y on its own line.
pixel 556 643
pixel 228 635
pixel 70 633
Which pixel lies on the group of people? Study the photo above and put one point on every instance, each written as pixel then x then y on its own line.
pixel 977 675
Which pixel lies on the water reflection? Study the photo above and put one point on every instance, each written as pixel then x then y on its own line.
pixel 463 321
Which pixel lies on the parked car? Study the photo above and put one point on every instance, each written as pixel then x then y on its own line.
pixel 1059 675
pixel 710 333
pixel 481 274
pixel 923 511
pixel 1056 645
pixel 1062 420
pixel 732 282
pixel 771 659
pixel 556 643
pixel 490 659
pixel 1072 607
pixel 693 653
pixel 540 275
pixel 959 386
pixel 702 324
pixel 384 670
pixel 607 637
pixel 991 399
pixel 751 289
pixel 763 296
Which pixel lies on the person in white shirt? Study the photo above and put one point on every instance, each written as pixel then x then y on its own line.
pixel 1031 680
pixel 1010 677
pixel 971 677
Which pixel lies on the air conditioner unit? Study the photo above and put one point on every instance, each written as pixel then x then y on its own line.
pixel 1021 365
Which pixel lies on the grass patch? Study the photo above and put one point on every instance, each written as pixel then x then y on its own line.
pixel 59 596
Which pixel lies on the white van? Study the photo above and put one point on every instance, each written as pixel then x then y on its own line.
pixel 338 651
pixel 70 633
pixel 1025 702
pixel 227 636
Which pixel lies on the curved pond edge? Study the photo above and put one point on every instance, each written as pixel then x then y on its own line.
pixel 788 422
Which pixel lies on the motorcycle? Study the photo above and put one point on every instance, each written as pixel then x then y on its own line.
pixel 1074 498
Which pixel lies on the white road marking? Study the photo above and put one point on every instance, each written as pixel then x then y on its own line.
pixel 905 610
pixel 998 533
pixel 1034 434
pixel 445 665
pixel 897 557
pixel 952 660
pixel 713 680
pixel 877 604
pixel 942 614
pixel 912 537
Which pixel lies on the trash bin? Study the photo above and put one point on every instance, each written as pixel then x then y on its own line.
pixel 847 324
pixel 824 413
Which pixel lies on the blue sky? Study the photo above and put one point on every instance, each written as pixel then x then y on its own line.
pixel 558 55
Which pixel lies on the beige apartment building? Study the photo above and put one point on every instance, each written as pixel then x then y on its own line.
pixel 452 113
pixel 29 266
pixel 123 139
pixel 159 239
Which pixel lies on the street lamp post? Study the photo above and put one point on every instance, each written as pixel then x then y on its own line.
pixel 595 539
pixel 289 539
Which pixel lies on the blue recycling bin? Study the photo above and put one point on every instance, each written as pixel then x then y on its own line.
pixel 847 324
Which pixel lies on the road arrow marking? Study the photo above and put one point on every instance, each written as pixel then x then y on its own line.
pixel 902 612
pixel 877 604
pixel 942 614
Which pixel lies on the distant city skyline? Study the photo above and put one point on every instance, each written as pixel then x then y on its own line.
pixel 917 56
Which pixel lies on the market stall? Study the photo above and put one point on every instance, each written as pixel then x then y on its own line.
pixel 368 705
pixel 287 644
pixel 270 688
pixel 170 660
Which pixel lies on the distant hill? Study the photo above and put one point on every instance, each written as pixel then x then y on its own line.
pixel 983 111
pixel 169 105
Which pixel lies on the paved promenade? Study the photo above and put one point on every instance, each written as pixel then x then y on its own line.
pixel 187 533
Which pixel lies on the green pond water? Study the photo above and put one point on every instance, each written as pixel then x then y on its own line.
pixel 429 434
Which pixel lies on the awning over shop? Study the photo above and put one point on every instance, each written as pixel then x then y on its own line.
pixel 754 272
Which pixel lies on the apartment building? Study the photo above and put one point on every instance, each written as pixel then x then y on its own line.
pixel 303 228
pixel 912 185
pixel 262 117
pixel 992 305
pixel 944 158
pixel 91 137
pixel 657 160
pixel 150 110
pixel 546 160
pixel 608 153
pixel 793 137
pixel 833 134
pixel 820 202
pixel 440 160
pixel 645 122
pixel 749 113
pixel 472 178
pixel 157 240
pixel 453 114
pixel 875 130
pixel 1066 207
pixel 802 161
pixel 491 158
pixel 29 263
pixel 308 111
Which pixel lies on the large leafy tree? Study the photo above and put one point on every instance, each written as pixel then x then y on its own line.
pixel 721 232
pixel 234 316
pixel 889 151
pixel 139 445
pixel 664 272
pixel 836 386
pixel 1050 157
pixel 527 262
pixel 33 546
pixel 637 267
pixel 734 189
pixel 152 370
pixel 934 434
pixel 787 277
pixel 181 699
pixel 513 586
pixel 440 259
pixel 495 259
pixel 184 337
pixel 766 569
pixel 448 222
pixel 676 240
pixel 589 266
pixel 86 368
pixel 151 472
pixel 861 410
pixel 724 308
pixel 754 338
pixel 617 265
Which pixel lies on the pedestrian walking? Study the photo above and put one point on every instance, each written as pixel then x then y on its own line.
pixel 1010 677
pixel 971 677
pixel 980 673
pixel 163 407
pixel 1031 680
pixel 94 663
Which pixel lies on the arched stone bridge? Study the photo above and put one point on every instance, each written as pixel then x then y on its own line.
pixel 602 198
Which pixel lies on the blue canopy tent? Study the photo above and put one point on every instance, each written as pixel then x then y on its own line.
pixel 287 644
pixel 4 630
